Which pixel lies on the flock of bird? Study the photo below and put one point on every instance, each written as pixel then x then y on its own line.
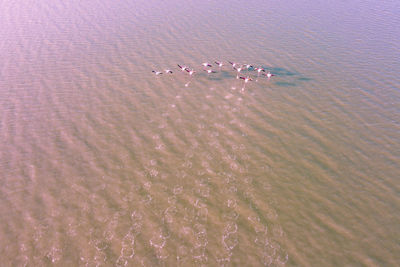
pixel 235 66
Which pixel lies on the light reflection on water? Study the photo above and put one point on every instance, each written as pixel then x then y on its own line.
pixel 103 162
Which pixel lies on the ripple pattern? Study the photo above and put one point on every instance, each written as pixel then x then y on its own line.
pixel 104 164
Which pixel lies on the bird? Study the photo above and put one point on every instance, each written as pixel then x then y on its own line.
pixel 157 72
pixel 206 64
pixel 220 64
pixel 247 66
pixel 246 79
pixel 183 68
pixel 190 71
pixel 259 70
pixel 168 71
pixel 233 64
pixel 268 75
pixel 238 71
pixel 210 71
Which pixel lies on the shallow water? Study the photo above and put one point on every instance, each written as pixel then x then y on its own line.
pixel 104 163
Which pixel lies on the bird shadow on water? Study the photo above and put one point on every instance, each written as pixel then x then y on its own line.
pixel 214 78
pixel 304 79
pixel 219 76
pixel 283 77
pixel 292 77
pixel 281 71
pixel 226 74
pixel 223 74
pixel 285 84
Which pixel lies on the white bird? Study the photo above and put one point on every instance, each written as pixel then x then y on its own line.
pixel 210 71
pixel 190 71
pixel 157 72
pixel 220 64
pixel 183 68
pixel 259 70
pixel 269 75
pixel 233 64
pixel 238 71
pixel 168 71
pixel 248 66
pixel 206 64
pixel 246 79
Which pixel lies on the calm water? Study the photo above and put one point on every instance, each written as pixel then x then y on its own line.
pixel 103 163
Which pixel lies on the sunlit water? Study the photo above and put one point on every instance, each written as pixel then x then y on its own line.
pixel 104 163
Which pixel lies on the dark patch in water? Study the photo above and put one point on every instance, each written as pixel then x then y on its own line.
pixel 280 71
pixel 304 79
pixel 215 78
pixel 226 74
pixel 285 84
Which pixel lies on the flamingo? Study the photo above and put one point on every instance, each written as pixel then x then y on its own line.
pixel 269 75
pixel 210 71
pixel 248 66
pixel 168 71
pixel 233 64
pixel 183 68
pixel 190 71
pixel 206 64
pixel 220 64
pixel 246 79
pixel 157 72
pixel 259 70
pixel 238 71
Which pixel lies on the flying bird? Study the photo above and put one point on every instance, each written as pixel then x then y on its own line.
pixel 238 71
pixel 259 70
pixel 183 68
pixel 269 75
pixel 233 64
pixel 246 79
pixel 210 71
pixel 220 64
pixel 190 71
